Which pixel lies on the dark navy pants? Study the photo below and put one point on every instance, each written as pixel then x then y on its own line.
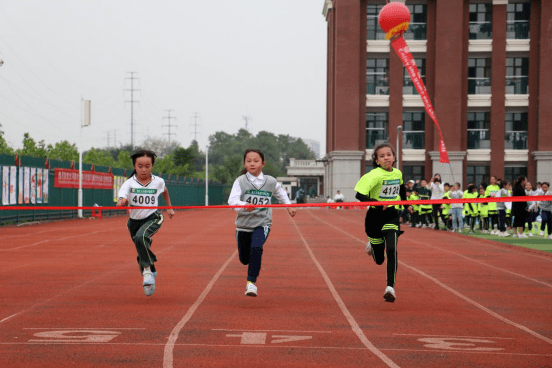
pixel 250 247
pixel 141 232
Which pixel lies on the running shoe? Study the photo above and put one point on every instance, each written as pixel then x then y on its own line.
pixel 504 233
pixel 251 289
pixel 149 282
pixel 389 295
pixel 522 235
pixel 542 233
pixel 369 249
pixel 550 236
pixel 530 234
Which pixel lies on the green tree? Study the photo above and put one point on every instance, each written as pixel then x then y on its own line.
pixel 63 151
pixel 98 157
pixel 31 148
pixel 124 161
pixel 5 149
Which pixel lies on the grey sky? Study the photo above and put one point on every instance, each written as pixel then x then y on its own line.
pixel 222 59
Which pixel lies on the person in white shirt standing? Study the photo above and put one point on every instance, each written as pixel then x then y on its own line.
pixel 456 208
pixel 339 198
pixel 142 189
pixel 437 192
pixel 252 187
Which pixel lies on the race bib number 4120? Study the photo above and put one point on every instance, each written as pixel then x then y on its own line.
pixel 390 189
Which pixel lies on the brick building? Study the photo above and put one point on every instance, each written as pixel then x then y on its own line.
pixel 487 70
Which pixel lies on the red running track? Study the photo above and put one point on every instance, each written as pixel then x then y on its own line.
pixel 72 296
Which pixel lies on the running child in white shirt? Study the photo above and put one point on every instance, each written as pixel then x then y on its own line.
pixel 252 187
pixel 142 189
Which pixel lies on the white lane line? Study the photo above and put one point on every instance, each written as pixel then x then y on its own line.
pixel 483 263
pixel 224 329
pixel 451 336
pixel 28 245
pixel 169 347
pixel 354 325
pixel 491 242
pixel 5 319
pixel 474 303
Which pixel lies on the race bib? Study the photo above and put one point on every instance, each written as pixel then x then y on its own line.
pixel 141 197
pixel 390 189
pixel 257 197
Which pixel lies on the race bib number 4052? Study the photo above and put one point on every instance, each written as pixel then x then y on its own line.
pixel 143 197
pixel 390 189
pixel 258 197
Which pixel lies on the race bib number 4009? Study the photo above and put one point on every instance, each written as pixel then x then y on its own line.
pixel 390 189
pixel 257 197
pixel 143 197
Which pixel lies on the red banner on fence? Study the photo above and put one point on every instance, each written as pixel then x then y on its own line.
pixel 68 178
pixel 401 48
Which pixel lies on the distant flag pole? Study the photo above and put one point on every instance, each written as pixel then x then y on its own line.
pixel 394 19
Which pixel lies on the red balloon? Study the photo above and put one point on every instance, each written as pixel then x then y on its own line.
pixel 394 18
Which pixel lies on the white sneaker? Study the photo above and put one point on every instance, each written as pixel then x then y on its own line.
pixel 369 249
pixel 389 295
pixel 550 236
pixel 523 235
pixel 515 236
pixel 542 233
pixel 424 226
pixel 251 289
pixel 530 234
pixel 149 282
pixel 505 233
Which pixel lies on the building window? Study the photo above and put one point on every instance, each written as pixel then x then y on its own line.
pixel 516 131
pixel 374 31
pixel 479 135
pixel 412 172
pixel 417 29
pixel 479 76
pixel 413 130
pixel 408 86
pixel 512 173
pixel 377 76
pixel 481 27
pixel 479 174
pixel 517 76
pixel 517 23
pixel 377 126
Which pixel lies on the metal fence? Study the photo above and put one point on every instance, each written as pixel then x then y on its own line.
pixel 184 191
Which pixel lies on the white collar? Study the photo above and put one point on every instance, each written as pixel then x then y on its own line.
pixel 255 178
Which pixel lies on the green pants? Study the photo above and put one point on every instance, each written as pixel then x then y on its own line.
pixel 141 232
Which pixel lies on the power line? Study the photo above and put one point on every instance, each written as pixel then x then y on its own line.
pixel 247 120
pixel 132 102
pixel 195 116
pixel 169 125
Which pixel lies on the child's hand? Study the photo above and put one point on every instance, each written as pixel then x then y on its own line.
pixel 170 212
pixel 292 211
pixel 122 202
pixel 249 208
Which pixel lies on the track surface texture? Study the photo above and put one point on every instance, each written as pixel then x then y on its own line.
pixel 72 296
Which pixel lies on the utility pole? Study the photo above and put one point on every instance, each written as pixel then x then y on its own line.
pixel 108 139
pixel 169 125
pixel 132 102
pixel 195 116
pixel 247 119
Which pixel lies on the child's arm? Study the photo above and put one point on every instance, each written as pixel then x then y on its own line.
pixel 165 195
pixel 282 197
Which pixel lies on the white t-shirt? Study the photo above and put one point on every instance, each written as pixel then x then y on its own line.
pixel 140 195
pixel 437 190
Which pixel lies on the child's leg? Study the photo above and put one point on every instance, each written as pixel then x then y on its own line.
pixel 258 239
pixel 243 238
pixel 378 249
pixel 391 250
pixel 143 231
